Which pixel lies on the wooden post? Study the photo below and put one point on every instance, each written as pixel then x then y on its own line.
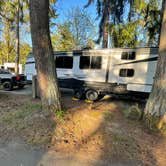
pixel 34 87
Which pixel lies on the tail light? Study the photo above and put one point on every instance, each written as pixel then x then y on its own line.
pixel 17 78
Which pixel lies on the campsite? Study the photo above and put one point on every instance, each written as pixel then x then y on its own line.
pixel 82 83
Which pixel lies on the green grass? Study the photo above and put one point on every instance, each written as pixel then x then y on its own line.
pixel 61 113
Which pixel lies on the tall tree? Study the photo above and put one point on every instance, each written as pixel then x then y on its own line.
pixel 17 37
pixel 142 14
pixel 63 40
pixel 81 25
pixel 103 11
pixel 156 105
pixel 7 18
pixel 110 11
pixel 42 49
pixel 12 14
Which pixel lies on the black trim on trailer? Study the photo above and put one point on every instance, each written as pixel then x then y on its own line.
pixel 77 53
pixel 107 70
pixel 30 62
pixel 72 53
pixel 139 83
pixel 137 61
pixel 101 87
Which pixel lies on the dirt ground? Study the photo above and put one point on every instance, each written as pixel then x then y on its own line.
pixel 96 132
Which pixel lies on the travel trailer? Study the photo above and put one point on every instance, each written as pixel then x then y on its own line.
pixel 94 73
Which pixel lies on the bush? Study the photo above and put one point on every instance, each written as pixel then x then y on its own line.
pixel 133 113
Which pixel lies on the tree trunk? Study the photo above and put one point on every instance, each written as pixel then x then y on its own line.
pixel 42 49
pixel 105 24
pixel 105 36
pixel 156 105
pixel 17 38
pixel 7 39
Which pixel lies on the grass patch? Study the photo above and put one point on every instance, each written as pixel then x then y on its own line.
pixel 30 122
pixel 19 114
pixel 61 113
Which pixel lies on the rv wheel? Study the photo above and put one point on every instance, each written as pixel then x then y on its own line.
pixel 78 94
pixel 91 95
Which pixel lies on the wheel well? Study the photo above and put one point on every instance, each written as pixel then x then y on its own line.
pixel 94 89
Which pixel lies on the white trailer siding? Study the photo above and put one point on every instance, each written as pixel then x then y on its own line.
pixel 133 68
pixel 143 67
pixel 89 74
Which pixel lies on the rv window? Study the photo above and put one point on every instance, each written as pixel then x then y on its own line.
pixel 126 73
pixel 84 62
pixel 93 62
pixel 128 55
pixel 96 62
pixel 64 62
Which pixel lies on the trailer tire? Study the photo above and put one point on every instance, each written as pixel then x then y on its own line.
pixel 92 95
pixel 7 85
pixel 78 94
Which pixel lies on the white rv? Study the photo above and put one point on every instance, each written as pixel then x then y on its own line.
pixel 94 73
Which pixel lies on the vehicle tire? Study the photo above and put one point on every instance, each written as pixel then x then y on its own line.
pixel 7 85
pixel 78 94
pixel 21 86
pixel 91 95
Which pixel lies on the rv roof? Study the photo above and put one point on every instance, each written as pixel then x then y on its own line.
pixel 140 50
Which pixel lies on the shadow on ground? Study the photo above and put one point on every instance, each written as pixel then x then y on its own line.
pixel 87 135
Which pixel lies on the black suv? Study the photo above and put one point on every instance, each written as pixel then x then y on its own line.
pixel 9 80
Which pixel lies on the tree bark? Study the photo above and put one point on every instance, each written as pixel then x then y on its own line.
pixel 42 49
pixel 105 36
pixel 17 38
pixel 105 24
pixel 7 39
pixel 156 104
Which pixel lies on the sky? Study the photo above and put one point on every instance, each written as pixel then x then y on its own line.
pixel 62 7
